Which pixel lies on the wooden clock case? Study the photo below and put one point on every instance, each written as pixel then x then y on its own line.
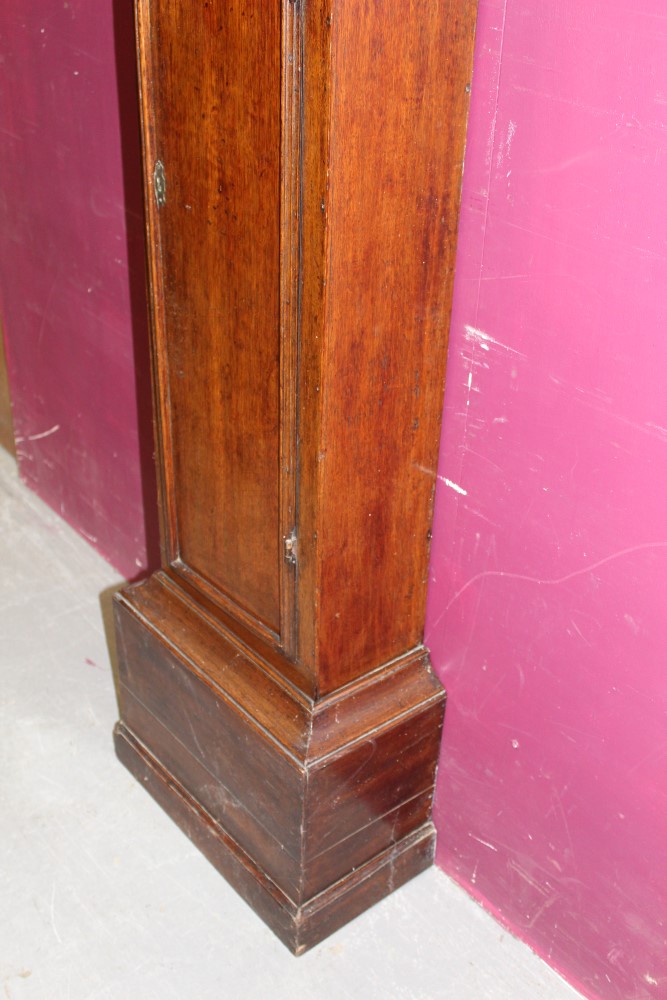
pixel 303 165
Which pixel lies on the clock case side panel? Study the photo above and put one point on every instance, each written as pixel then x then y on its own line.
pixel 386 95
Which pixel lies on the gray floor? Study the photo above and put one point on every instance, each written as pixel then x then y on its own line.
pixel 102 897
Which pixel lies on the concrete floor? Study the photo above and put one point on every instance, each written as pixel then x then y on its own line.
pixel 103 898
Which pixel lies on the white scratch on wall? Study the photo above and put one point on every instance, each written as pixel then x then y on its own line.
pixel 482 339
pixel 44 434
pixel 454 486
pixel 484 843
pixel 505 149
pixel 551 581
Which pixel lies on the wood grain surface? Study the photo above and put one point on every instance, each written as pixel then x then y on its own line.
pixel 309 795
pixel 303 165
pixel 214 76
pixel 386 97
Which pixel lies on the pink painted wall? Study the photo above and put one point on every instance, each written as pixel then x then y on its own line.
pixel 547 607
pixel 72 271
pixel 546 612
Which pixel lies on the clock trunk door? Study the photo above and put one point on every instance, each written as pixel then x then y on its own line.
pixel 217 220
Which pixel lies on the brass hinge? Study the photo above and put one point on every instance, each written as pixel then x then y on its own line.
pixel 289 543
pixel 160 184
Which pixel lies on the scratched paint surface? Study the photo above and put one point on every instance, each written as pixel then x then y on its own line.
pixel 546 614
pixel 71 267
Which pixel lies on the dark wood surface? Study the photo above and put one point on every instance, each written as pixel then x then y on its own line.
pixel 213 72
pixel 385 107
pixel 309 794
pixel 274 692
pixel 299 926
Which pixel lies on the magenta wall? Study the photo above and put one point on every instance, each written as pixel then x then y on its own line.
pixel 71 268
pixel 547 614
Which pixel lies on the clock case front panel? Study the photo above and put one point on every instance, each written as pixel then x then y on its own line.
pixel 223 234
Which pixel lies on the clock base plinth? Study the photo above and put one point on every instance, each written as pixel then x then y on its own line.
pixel 313 811
pixel 298 927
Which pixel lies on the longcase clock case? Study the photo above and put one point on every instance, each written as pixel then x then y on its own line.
pixel 303 166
